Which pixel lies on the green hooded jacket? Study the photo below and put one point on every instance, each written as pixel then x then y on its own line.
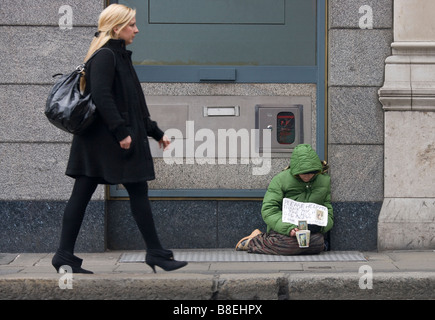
pixel 287 184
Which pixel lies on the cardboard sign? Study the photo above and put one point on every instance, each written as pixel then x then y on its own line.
pixel 294 211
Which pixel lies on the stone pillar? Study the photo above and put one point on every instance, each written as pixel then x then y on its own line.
pixel 407 218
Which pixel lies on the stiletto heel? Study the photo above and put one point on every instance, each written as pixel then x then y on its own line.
pixel 164 259
pixel 152 267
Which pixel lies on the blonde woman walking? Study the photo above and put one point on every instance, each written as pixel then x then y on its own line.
pixel 114 150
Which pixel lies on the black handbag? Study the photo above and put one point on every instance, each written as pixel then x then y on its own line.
pixel 66 107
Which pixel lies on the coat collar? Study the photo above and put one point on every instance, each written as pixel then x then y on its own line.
pixel 118 45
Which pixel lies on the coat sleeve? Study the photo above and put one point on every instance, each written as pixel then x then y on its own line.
pixel 153 130
pixel 102 75
pixel 271 210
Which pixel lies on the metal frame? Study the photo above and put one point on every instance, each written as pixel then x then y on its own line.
pixel 192 194
pixel 249 74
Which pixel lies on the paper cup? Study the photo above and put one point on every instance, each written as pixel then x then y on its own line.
pixel 303 237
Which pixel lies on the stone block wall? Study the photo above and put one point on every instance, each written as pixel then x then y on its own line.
pixel 356 119
pixel 33 153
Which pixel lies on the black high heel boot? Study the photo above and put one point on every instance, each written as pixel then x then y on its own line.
pixel 164 259
pixel 62 258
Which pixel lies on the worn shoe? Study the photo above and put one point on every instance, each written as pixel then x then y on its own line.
pixel 242 245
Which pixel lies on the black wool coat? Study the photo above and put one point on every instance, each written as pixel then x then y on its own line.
pixel 121 111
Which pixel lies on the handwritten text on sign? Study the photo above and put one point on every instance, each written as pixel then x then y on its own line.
pixel 293 211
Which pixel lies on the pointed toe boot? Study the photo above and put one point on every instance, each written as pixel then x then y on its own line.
pixel 64 258
pixel 164 259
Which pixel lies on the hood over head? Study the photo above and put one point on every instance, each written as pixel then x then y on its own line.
pixel 304 159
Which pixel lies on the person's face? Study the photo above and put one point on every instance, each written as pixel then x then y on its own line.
pixel 306 177
pixel 128 32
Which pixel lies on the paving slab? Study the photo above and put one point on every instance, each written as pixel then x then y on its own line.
pixel 378 275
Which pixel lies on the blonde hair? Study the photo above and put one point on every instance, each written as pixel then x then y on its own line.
pixel 115 15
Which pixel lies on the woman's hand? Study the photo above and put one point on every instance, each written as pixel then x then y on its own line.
pixel 164 142
pixel 125 143
pixel 293 232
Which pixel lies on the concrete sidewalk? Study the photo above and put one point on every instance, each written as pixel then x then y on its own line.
pixel 383 275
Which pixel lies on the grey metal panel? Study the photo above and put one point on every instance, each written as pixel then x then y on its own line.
pixel 217 74
pixel 266 117
pixel 263 74
pixel 292 43
pixel 119 192
pixel 217 12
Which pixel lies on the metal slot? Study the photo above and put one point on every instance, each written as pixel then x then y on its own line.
pixel 221 111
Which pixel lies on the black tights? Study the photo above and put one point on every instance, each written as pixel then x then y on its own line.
pixel 84 187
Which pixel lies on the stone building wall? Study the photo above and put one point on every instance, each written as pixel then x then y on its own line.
pixel 33 154
pixel 356 119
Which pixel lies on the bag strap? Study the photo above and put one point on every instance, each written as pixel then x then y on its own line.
pixel 81 68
